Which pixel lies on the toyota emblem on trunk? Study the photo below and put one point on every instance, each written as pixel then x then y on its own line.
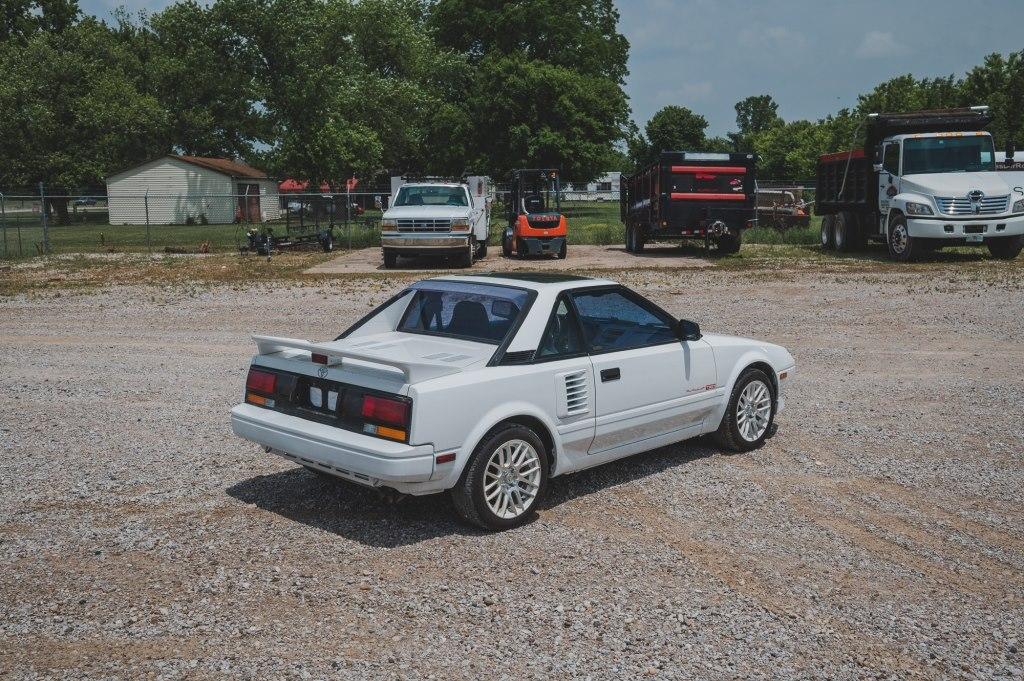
pixel 322 372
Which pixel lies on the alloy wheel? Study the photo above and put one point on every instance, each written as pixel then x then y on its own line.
pixel 753 410
pixel 512 479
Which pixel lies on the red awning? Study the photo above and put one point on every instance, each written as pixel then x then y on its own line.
pixel 291 185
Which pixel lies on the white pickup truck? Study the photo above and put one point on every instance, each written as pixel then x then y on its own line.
pixel 437 218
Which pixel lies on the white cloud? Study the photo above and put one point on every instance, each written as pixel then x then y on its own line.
pixel 774 38
pixel 879 44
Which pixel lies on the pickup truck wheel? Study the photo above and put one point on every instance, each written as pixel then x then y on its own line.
pixel 828 232
pixel 902 246
pixel 465 259
pixel 503 481
pixel 748 418
pixel 390 259
pixel 1006 247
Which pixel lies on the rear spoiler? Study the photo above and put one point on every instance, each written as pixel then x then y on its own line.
pixel 414 371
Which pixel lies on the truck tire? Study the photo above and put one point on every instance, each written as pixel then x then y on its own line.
pixel 481 251
pixel 390 259
pixel 828 239
pixel 729 244
pixel 902 246
pixel 1006 247
pixel 465 260
pixel 846 233
pixel 639 239
pixel 629 238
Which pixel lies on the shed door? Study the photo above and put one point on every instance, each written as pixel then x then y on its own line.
pixel 249 203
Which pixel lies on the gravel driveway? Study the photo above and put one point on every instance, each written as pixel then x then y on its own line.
pixel 880 533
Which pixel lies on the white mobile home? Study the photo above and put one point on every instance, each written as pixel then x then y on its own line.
pixel 604 188
pixel 174 190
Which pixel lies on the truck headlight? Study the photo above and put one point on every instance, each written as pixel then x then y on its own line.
pixel 388 223
pixel 914 208
pixel 460 225
pixel 1018 206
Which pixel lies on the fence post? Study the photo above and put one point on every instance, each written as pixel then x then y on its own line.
pixel 149 244
pixel 46 227
pixel 348 212
pixel 3 221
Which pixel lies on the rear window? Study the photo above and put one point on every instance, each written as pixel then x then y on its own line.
pixel 473 312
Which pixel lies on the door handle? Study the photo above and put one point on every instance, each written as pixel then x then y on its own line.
pixel 610 375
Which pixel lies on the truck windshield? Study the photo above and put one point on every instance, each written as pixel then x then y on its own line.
pixel 474 312
pixel 948 154
pixel 431 196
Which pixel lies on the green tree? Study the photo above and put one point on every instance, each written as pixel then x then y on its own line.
pixel 999 83
pixel 754 115
pixel 544 84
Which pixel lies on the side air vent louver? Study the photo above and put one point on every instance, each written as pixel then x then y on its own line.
pixel 575 389
pixel 519 357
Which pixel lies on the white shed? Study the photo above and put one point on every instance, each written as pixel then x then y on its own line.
pixel 174 190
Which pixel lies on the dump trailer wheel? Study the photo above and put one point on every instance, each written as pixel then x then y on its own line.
pixel 639 239
pixel 1005 248
pixel 828 232
pixel 729 244
pixel 629 238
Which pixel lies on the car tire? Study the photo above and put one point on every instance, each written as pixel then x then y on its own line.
pixel 1006 247
pixel 390 259
pixel 902 246
pixel 488 484
pixel 828 241
pixel 745 425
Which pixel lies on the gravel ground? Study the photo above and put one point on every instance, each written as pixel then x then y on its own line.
pixel 879 534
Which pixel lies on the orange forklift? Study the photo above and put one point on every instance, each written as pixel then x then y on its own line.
pixel 536 225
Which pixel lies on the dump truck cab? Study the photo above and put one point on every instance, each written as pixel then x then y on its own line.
pixel 536 225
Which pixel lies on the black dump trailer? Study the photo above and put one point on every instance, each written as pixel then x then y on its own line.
pixel 689 195
pixel 846 189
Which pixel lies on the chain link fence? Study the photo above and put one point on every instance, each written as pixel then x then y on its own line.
pixel 37 223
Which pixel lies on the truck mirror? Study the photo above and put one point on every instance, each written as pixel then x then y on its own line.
pixel 877 162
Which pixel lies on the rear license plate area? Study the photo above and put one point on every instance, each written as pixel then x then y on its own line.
pixel 318 396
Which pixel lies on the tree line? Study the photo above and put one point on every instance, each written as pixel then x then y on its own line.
pixel 788 150
pixel 325 89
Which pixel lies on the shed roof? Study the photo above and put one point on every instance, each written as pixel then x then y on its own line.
pixel 225 166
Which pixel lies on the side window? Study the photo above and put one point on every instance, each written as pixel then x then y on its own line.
pixel 562 337
pixel 612 321
pixel 891 159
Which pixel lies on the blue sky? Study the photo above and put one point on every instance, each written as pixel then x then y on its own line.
pixel 813 56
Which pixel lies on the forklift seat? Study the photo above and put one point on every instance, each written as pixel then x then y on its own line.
pixel 533 203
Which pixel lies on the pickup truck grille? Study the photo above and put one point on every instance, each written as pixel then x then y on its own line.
pixel 424 225
pixel 989 205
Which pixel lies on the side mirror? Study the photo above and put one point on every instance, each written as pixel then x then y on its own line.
pixel 687 330
pixel 877 162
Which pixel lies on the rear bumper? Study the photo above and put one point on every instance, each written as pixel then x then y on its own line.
pixel 430 243
pixel 538 245
pixel 959 229
pixel 353 456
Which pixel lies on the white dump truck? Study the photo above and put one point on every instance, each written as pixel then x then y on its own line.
pixel 438 218
pixel 923 180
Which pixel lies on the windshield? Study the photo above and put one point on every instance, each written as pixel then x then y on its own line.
pixel 948 154
pixel 463 310
pixel 431 196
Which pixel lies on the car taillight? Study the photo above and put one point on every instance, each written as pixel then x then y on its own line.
pixel 389 417
pixel 261 381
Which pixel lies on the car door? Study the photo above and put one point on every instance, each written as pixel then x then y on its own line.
pixel 640 369
pixel 564 357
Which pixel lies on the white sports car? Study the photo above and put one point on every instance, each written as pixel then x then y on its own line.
pixel 488 385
